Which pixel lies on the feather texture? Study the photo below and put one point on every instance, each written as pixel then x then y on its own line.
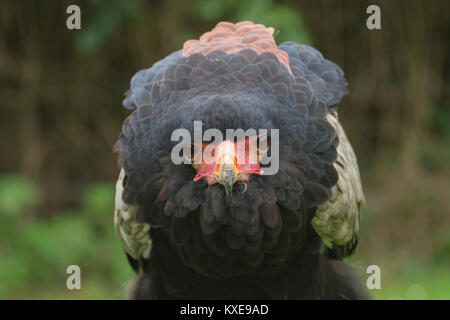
pixel 264 241
pixel 134 235
pixel 337 220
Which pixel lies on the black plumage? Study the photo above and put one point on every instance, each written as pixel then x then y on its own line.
pixel 259 243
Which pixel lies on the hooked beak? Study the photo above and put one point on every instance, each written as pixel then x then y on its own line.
pixel 226 168
pixel 228 173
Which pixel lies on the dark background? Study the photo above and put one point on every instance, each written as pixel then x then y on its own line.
pixel 60 114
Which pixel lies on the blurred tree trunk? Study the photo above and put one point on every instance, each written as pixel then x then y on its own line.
pixel 394 73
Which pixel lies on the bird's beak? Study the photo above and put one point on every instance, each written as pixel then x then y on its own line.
pixel 226 168
pixel 228 173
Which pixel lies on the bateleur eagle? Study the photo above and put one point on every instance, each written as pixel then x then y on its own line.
pixel 191 233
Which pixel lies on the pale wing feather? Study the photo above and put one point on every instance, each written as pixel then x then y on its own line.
pixel 338 219
pixel 134 235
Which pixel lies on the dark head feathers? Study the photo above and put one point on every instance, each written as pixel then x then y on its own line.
pixel 264 224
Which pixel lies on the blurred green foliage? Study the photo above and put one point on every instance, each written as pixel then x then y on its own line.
pixel 288 23
pixel 35 253
pixel 16 194
pixel 105 20
pixel 436 155
pixel 108 20
pixel 419 283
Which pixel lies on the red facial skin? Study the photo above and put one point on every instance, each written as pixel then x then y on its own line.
pixel 241 157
